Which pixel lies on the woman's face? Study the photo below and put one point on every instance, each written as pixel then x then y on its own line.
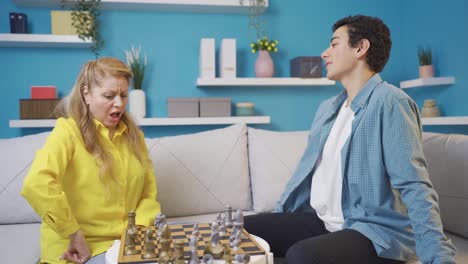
pixel 107 102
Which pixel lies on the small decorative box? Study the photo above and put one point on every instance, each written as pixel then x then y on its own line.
pixel 38 108
pixel 183 107
pixel 245 109
pixel 306 67
pixel 215 106
pixel 43 92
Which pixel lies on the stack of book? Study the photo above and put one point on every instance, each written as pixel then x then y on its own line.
pixel 41 105
pixel 18 23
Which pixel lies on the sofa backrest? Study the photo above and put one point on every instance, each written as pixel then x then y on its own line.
pixel 245 168
pixel 202 172
pixel 16 156
pixel 447 160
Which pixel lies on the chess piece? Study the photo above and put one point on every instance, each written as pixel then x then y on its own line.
pixel 218 219
pixel 214 247
pixel 227 254
pixel 208 259
pixel 179 251
pixel 242 258
pixel 222 229
pixel 235 244
pixel 159 221
pixel 131 235
pixel 195 230
pixel 239 217
pixel 228 216
pixel 149 251
pixel 238 227
pixel 165 255
pixel 194 248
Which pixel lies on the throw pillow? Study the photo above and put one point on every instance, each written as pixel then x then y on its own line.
pixel 273 157
pixel 202 172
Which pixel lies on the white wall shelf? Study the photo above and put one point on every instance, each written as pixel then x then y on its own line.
pixel 445 120
pixel 264 82
pixel 427 82
pixel 201 6
pixel 43 41
pixel 36 123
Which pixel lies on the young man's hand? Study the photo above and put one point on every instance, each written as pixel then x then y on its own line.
pixel 78 251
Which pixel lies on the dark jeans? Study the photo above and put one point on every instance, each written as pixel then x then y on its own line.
pixel 302 238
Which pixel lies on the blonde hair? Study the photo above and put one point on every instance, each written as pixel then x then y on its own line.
pixel 74 106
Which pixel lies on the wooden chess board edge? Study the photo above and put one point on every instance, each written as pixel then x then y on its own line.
pixel 123 260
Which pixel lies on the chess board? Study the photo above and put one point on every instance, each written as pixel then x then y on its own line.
pixel 248 244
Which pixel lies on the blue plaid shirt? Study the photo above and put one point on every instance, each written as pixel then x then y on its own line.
pixel 387 195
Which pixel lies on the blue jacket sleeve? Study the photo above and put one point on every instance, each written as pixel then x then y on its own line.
pixel 407 169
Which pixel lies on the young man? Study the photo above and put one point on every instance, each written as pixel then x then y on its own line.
pixel 361 192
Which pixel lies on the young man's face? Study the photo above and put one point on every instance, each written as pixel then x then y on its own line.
pixel 339 58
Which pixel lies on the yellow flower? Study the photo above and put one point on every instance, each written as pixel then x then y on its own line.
pixel 264 44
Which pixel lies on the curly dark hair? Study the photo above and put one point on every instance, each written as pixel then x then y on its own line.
pixel 373 29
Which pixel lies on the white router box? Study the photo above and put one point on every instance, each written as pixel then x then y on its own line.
pixel 227 59
pixel 207 58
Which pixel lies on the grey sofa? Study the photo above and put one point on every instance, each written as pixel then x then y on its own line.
pixel 198 174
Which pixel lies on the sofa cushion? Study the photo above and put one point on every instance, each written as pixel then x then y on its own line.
pixel 447 160
pixel 273 157
pixel 17 155
pixel 203 172
pixel 19 243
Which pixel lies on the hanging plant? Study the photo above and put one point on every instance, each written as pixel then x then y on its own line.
pixel 256 18
pixel 85 14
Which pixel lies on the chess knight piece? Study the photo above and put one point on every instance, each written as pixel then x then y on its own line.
pixel 150 247
pixel 131 235
pixel 215 248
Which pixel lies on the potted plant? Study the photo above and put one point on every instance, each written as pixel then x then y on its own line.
pixel 264 66
pixel 84 19
pixel 137 98
pixel 426 69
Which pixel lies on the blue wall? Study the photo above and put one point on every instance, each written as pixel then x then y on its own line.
pixel 303 27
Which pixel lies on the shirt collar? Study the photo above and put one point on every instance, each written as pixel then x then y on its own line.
pixel 103 130
pixel 362 96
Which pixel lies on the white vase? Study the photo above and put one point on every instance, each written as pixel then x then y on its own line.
pixel 137 103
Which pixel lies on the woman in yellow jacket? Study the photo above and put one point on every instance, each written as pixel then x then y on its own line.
pixel 93 169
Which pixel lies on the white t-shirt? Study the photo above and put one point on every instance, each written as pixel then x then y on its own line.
pixel 327 181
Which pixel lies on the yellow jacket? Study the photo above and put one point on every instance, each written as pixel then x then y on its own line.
pixel 64 188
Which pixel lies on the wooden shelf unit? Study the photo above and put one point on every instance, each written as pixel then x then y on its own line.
pixel 201 82
pixel 445 120
pixel 197 6
pixel 43 41
pixel 427 82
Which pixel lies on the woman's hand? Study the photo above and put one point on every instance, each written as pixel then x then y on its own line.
pixel 78 251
